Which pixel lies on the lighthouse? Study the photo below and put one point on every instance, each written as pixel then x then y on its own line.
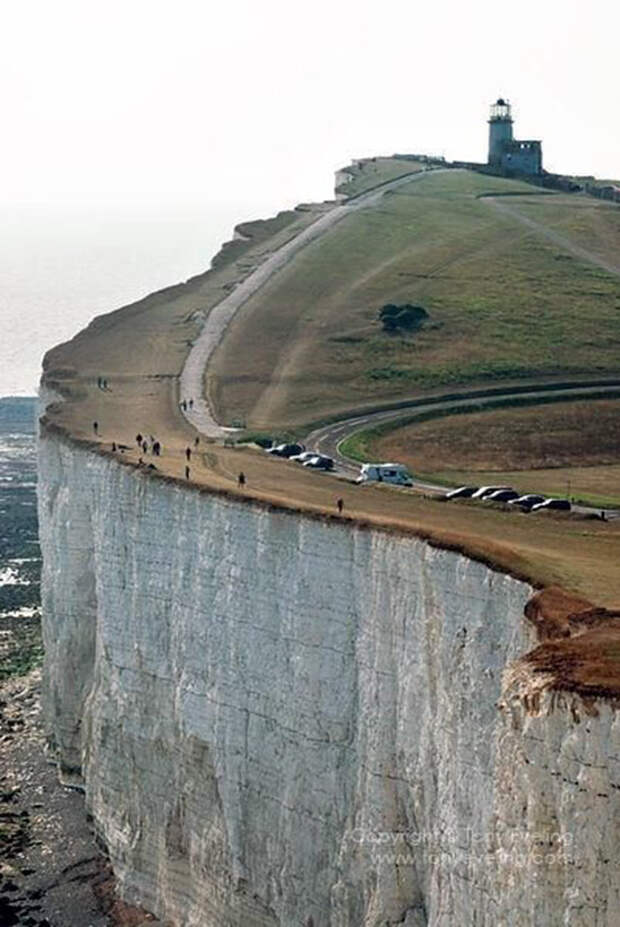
pixel 500 130
pixel 507 154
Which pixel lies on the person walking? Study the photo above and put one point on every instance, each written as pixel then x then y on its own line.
pixel 340 505
pixel 188 452
pixel 196 441
pixel 187 473
pixel 96 427
pixel 241 479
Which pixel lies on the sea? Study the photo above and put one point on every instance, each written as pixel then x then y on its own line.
pixel 60 266
pixel 20 559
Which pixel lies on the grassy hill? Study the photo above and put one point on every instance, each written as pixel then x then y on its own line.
pixel 309 341
pixel 505 300
pixel 366 173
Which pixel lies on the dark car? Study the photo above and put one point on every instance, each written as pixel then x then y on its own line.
pixel 319 462
pixel 463 492
pixel 286 450
pixel 527 502
pixel 324 463
pixel 485 491
pixel 502 495
pixel 562 505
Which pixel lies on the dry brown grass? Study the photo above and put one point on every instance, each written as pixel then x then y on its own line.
pixel 549 448
pixel 580 555
pixel 141 349
pixel 562 434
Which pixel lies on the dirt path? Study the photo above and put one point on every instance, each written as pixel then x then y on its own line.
pixel 582 253
pixel 192 375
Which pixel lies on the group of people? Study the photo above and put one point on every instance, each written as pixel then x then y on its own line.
pixel 102 383
pixel 153 444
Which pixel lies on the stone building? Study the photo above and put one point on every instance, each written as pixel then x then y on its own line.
pixel 506 152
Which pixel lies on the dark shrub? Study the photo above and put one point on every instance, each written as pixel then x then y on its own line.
pixel 402 318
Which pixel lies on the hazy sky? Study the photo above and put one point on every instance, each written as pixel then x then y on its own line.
pixel 257 101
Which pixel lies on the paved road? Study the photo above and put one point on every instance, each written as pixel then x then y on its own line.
pixel 192 375
pixel 327 440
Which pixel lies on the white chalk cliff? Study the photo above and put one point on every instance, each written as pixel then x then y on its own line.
pixel 281 719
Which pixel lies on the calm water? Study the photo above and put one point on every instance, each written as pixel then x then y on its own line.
pixel 61 267
pixel 58 269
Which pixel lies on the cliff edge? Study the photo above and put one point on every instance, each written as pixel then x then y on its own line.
pixel 404 714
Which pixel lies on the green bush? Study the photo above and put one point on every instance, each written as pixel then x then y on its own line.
pixel 404 318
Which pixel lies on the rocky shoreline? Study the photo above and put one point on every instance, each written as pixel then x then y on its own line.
pixel 52 873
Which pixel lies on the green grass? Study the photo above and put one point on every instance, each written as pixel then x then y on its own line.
pixel 359 445
pixel 555 447
pixel 370 172
pixel 504 303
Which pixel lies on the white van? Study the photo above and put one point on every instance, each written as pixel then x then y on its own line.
pixel 394 473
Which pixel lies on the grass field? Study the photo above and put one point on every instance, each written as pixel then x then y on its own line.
pixel 568 448
pixel 504 303
pixel 370 172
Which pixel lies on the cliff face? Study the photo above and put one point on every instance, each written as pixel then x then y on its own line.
pixel 283 720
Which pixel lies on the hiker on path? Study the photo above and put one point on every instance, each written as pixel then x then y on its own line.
pixel 138 439
pixel 191 403
pixel 187 473
pixel 156 448
pixel 96 427
pixel 197 441
pixel 145 447
pixel 188 452
pixel 241 479
pixel 340 505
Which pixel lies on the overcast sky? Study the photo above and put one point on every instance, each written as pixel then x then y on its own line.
pixel 254 101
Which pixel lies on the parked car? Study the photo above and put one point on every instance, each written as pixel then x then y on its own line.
pixel 319 462
pixel 562 505
pixel 286 450
pixel 527 502
pixel 324 463
pixel 502 495
pixel 463 492
pixel 303 456
pixel 394 473
pixel 487 490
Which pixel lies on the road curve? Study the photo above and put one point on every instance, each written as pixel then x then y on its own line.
pixel 192 375
pixel 327 439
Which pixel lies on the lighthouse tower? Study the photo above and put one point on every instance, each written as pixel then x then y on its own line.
pixel 500 130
